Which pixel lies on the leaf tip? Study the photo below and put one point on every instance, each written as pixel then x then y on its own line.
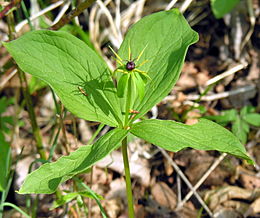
pixel 251 162
pixel 20 191
pixel 4 43
pixel 175 10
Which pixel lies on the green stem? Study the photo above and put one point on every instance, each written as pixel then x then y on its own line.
pixel 131 213
pixel 5 193
pixel 128 102
pixel 35 127
pixel 100 127
pixel 16 208
pixel 26 13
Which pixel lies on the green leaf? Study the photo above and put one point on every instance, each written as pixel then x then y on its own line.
pixel 240 129
pixel 47 178
pixel 4 103
pixel 94 195
pixel 68 64
pixel 71 196
pixel 122 84
pixel 204 135
pixel 222 7
pixel 5 161
pixel 36 84
pixel 247 110
pixel 225 117
pixel 6 120
pixel 64 199
pixel 253 119
pixel 166 36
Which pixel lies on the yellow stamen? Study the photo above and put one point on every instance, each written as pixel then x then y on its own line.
pixel 144 62
pixel 118 57
pixel 141 53
pixel 140 71
pixel 118 61
pixel 119 70
pixel 129 53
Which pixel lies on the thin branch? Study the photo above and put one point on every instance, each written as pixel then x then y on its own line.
pixel 203 178
pixel 110 20
pixel 226 73
pixel 61 13
pixel 170 5
pixel 77 11
pixel 252 20
pixel 8 77
pixel 179 188
pixel 19 26
pixel 118 21
pixel 213 97
pixel 9 7
pixel 185 5
pixel 181 174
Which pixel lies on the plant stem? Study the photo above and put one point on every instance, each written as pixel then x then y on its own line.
pixel 16 208
pixel 131 213
pixel 32 116
pixel 128 102
pixel 128 180
pixel 100 127
pixel 26 13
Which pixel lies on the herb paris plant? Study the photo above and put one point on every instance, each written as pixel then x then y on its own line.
pixel 66 63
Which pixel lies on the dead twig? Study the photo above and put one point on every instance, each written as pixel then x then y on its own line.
pixel 252 20
pixel 19 26
pixel 170 5
pixel 226 73
pixel 221 95
pixel 5 80
pixel 111 21
pixel 203 178
pixel 185 5
pixel 61 13
pixel 77 11
pixel 184 178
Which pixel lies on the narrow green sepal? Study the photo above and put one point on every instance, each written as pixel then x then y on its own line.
pixel 122 85
pixel 140 85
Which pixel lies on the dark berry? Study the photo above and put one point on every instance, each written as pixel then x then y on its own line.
pixel 130 65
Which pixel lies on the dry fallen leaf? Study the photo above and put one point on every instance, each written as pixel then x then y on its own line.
pixel 220 195
pixel 164 195
pixel 254 208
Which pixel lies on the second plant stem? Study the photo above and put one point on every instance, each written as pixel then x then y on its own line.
pixel 125 155
pixel 128 180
